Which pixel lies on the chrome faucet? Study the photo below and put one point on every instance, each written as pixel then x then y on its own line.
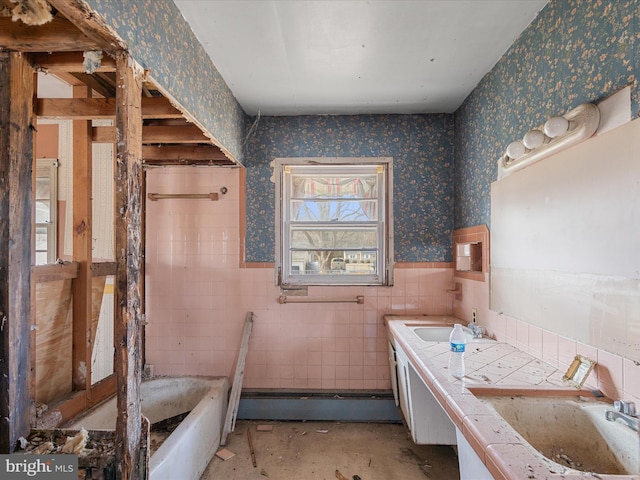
pixel 625 411
pixel 477 330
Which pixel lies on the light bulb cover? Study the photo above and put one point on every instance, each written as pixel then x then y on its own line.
pixel 516 149
pixel 533 139
pixel 556 126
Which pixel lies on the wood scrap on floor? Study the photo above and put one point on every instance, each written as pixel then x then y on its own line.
pixel 251 449
pixel 236 388
pixel 340 476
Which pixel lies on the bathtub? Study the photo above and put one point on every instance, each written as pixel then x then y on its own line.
pixel 189 449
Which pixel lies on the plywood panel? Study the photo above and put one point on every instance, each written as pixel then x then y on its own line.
pixel 53 340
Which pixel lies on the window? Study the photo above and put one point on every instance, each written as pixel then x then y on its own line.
pixel 333 218
pixel 45 210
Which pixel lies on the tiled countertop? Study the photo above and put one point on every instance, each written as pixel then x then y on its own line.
pixel 491 367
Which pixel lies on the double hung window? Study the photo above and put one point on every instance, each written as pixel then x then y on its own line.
pixel 334 221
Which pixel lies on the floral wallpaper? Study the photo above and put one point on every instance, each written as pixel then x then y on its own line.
pixel 160 40
pixel 422 151
pixel 575 51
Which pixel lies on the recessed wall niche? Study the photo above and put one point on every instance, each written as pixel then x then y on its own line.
pixel 471 252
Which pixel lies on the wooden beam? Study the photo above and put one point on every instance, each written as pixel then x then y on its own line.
pixel 69 62
pixel 68 78
pixel 94 108
pixel 155 134
pixel 54 272
pixel 59 35
pixel 76 403
pixel 98 83
pixel 82 248
pixel 128 291
pixel 177 155
pixel 102 269
pixel 101 87
pixel 17 90
pixel 93 26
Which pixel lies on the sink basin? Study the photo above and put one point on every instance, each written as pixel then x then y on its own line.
pixel 440 333
pixel 572 432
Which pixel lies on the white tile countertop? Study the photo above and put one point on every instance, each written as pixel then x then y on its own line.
pixel 491 368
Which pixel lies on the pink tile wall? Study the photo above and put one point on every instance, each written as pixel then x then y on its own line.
pixel 615 376
pixel 197 299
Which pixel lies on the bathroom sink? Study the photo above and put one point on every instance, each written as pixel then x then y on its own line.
pixel 440 333
pixel 572 432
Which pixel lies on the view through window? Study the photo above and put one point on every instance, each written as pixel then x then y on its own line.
pixel 334 220
pixel 45 208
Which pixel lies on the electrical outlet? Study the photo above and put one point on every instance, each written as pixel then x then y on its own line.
pixel 474 315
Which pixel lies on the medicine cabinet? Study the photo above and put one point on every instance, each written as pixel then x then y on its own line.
pixel 471 252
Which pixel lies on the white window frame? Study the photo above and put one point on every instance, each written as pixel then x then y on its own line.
pixel 48 167
pixel 384 269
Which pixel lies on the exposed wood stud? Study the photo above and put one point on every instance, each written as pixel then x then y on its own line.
pixel 82 248
pixel 58 35
pixel 94 108
pixel 67 78
pixel 155 134
pixel 128 311
pixel 98 82
pixel 17 86
pixel 183 154
pixel 69 62
pixel 102 269
pixel 54 272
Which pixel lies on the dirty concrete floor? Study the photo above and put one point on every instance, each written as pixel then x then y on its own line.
pixel 315 450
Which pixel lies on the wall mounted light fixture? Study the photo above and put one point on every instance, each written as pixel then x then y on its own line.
pixel 554 135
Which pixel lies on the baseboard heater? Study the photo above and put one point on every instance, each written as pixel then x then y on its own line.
pixel 340 406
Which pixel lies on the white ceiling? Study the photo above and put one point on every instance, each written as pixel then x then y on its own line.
pixel 352 57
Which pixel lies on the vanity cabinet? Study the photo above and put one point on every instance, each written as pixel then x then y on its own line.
pixel 402 383
pixel 428 422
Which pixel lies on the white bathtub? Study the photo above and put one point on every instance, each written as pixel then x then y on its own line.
pixel 188 450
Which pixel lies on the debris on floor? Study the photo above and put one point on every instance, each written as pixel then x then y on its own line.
pixel 340 476
pixel 76 443
pixel 367 451
pixel 251 449
pixel 95 448
pixel 224 454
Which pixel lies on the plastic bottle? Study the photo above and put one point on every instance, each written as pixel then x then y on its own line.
pixel 457 342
